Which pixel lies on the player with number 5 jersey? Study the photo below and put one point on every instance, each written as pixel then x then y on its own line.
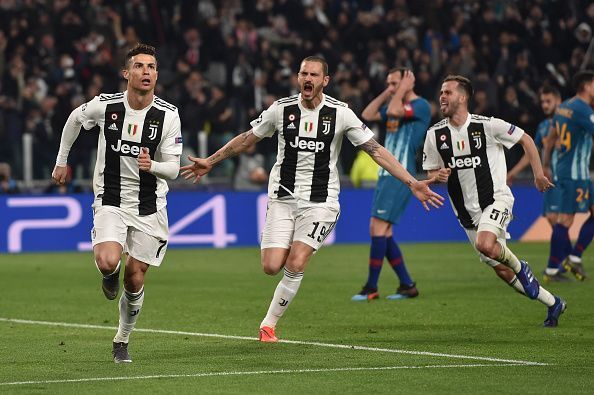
pixel 574 126
pixel 303 187
pixel 466 151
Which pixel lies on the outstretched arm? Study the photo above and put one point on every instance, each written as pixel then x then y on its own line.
pixel 202 166
pixel 386 160
pixel 541 182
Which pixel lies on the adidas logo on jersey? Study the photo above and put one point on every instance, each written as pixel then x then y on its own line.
pixel 113 126
pixel 291 126
pixel 444 146
pixel 467 162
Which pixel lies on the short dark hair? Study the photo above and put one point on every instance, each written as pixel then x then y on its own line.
pixel 400 70
pixel 581 78
pixel 547 89
pixel 140 49
pixel 464 84
pixel 318 59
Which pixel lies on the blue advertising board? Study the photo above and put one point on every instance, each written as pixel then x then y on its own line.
pixel 201 219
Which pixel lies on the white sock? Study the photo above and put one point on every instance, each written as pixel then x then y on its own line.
pixel 515 284
pixel 509 259
pixel 544 296
pixel 283 295
pixel 130 305
pixel 575 259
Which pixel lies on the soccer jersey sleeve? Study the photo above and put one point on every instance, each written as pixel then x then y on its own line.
pixel 585 119
pixel 356 131
pixel 265 124
pixel 418 108
pixel 89 113
pixel 87 116
pixel 421 110
pixel 504 132
pixel 383 112
pixel 431 158
pixel 541 133
pixel 171 144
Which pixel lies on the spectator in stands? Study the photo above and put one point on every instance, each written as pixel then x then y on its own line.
pixel 8 186
pixel 250 174
pixel 364 172
pixel 238 42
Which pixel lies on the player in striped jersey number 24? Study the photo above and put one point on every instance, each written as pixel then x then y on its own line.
pixel 303 186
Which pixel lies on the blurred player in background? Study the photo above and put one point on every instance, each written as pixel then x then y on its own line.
pixel 139 147
pixel 407 117
pixel 550 98
pixel 574 127
pixel 303 185
pixel 466 151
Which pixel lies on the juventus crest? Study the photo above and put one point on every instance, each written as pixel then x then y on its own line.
pixel 326 129
pixel 476 138
pixel 153 128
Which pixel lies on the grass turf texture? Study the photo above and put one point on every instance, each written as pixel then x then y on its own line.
pixel 463 309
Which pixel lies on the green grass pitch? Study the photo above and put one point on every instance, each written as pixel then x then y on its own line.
pixel 461 335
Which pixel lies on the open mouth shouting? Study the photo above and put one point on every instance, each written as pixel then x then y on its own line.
pixel 146 82
pixel 308 89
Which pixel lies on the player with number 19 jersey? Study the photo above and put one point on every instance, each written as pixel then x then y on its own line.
pixel 309 143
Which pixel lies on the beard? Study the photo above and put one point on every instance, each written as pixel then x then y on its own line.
pixel 315 90
pixel 451 109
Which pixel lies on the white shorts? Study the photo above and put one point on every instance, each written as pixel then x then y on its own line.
pixel 288 221
pixel 495 219
pixel 142 237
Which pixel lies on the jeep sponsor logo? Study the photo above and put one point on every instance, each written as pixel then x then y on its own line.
pixel 464 162
pixel 126 148
pixel 307 144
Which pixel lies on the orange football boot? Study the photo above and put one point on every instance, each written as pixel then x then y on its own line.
pixel 267 335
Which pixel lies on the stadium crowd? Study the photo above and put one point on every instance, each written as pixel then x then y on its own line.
pixel 222 62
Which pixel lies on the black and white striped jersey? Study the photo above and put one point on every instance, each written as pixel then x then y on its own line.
pixel 309 143
pixel 117 180
pixel 475 154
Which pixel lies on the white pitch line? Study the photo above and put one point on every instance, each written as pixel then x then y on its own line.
pixel 248 373
pixel 309 343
